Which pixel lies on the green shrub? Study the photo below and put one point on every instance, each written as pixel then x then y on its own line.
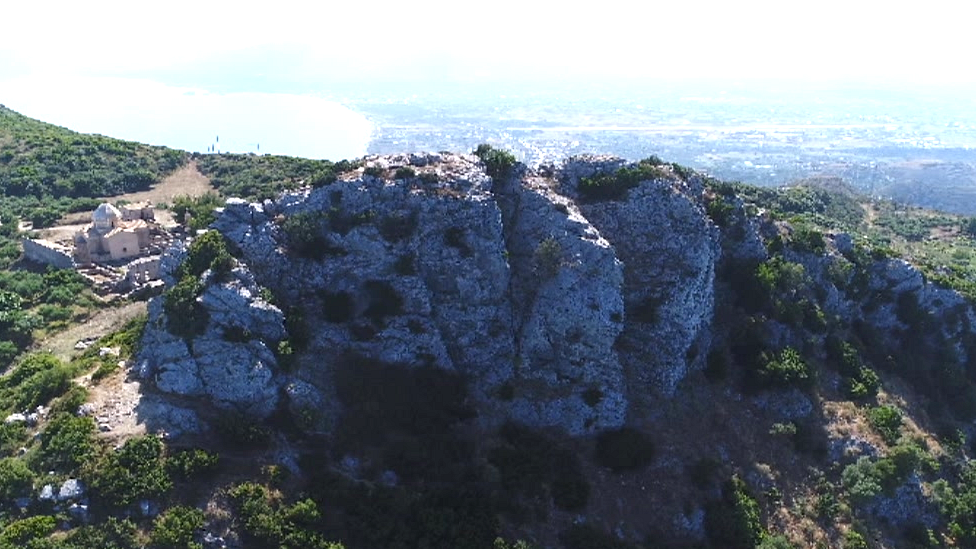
pixel 44 217
pixel 305 233
pixel 16 479
pixel 200 209
pixel 866 479
pixel 720 211
pixel 256 177
pixel 826 506
pixel 886 421
pixel 323 178
pixel 133 472
pixel 604 186
pixel 242 431
pixel 185 317
pixel 35 380
pixel 777 275
pixel 860 381
pixel 111 534
pixel 734 521
pixel 190 464
pixel 19 532
pixel 498 163
pixel 547 258
pixel 854 540
pixel 781 429
pixel 775 542
pixel 908 457
pixel 684 172
pixel 71 400
pixel 277 525
pixel 13 436
pixel 176 527
pixel 864 385
pixel 624 449
pixel 54 313
pixel 788 369
pixel 958 505
pixel 374 171
pixel 126 338
pixel 808 239
pixel 208 251
pixel 614 186
pixel 63 286
pixel 105 369
pixel 8 351
pixel 405 172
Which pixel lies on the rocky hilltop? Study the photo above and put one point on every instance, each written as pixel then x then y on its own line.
pixel 559 312
pixel 593 300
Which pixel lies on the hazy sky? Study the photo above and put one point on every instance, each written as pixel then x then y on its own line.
pixel 315 41
pixel 53 53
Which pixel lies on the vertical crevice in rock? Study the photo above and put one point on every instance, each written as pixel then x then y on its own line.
pixel 521 288
pixel 565 296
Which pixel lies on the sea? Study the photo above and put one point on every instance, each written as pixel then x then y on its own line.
pixel 304 125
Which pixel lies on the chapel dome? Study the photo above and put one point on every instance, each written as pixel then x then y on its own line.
pixel 105 216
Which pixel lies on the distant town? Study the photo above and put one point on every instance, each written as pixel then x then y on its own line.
pixel 912 146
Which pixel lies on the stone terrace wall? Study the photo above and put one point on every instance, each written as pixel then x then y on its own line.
pixel 49 253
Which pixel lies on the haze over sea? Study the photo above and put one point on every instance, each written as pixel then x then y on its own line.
pixel 193 119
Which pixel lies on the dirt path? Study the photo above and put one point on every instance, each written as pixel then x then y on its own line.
pixel 117 403
pixel 114 401
pixel 103 322
pixel 185 181
pixel 870 213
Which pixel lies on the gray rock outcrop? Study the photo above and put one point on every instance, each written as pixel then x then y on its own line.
pixel 559 312
pixel 232 363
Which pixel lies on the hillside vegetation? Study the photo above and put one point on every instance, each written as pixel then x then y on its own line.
pixel 47 170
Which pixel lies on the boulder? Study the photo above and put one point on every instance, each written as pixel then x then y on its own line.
pixel 71 489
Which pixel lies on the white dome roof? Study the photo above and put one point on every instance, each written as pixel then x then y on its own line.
pixel 106 211
pixel 105 216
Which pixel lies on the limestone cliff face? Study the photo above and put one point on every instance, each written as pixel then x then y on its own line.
pixel 231 363
pixel 669 248
pixel 560 313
